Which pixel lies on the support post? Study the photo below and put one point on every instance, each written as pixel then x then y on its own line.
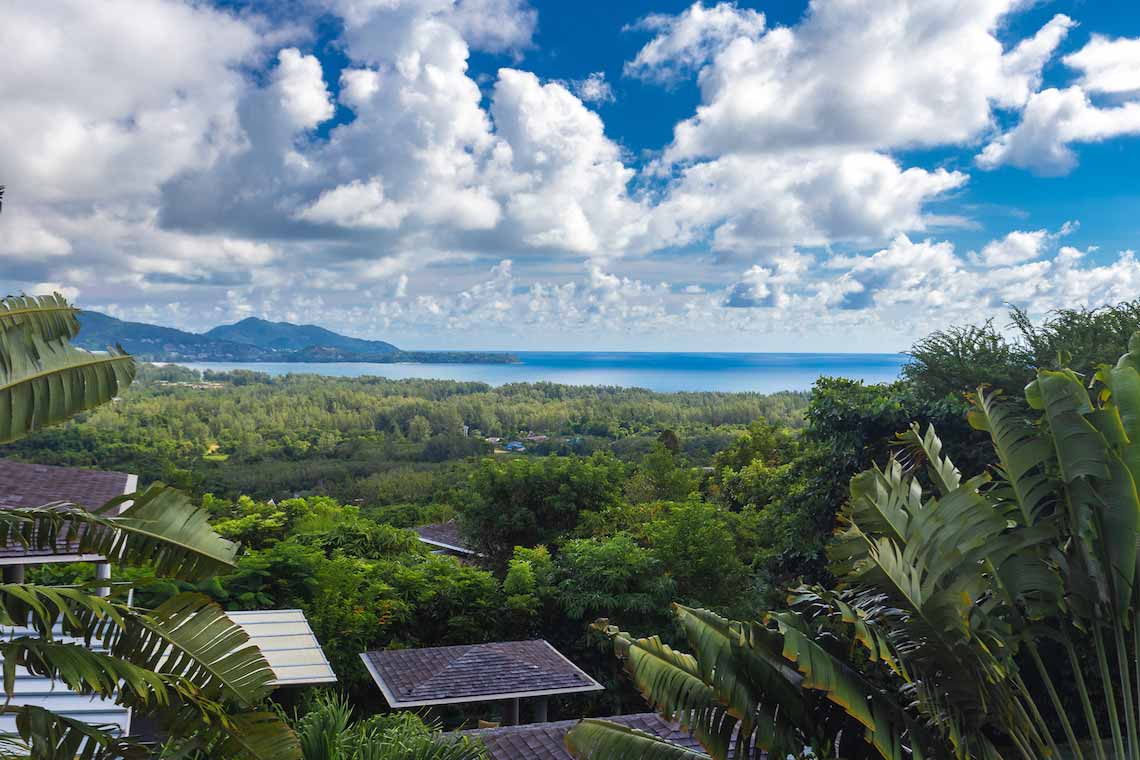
pixel 13 573
pixel 103 573
pixel 540 705
pixel 511 712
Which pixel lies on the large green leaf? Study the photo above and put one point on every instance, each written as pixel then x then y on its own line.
pixel 1022 456
pixel 44 735
pixel 595 739
pixel 927 447
pixel 160 527
pixel 49 317
pixel 189 636
pixel 45 382
pixel 887 725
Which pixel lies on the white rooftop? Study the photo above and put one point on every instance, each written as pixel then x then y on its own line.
pixel 289 644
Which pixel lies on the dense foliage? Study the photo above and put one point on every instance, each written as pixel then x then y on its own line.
pixel 623 500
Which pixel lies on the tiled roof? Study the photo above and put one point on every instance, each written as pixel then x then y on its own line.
pixel 445 535
pixel 289 645
pixel 547 741
pixel 34 485
pixel 474 672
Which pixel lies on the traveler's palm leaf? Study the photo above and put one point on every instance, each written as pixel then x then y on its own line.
pixel 45 380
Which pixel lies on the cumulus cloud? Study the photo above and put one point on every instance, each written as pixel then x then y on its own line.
pixel 111 98
pixel 768 286
pixel 357 204
pixel 1055 119
pixel 495 25
pixel 182 149
pixel 685 42
pixel 872 75
pixel 1108 66
pixel 802 199
pixel 1051 123
pixel 300 85
pixel 593 89
pixel 568 181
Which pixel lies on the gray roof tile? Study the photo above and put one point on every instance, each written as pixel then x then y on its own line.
pixel 36 485
pixel 546 741
pixel 474 672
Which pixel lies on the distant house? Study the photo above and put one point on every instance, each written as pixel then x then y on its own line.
pixel 493 439
pixel 284 636
pixel 504 671
pixel 547 741
pixel 537 438
pixel 515 446
pixel 446 538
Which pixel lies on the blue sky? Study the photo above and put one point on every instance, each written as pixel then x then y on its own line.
pixel 844 175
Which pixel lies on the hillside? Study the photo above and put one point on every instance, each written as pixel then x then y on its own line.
pixel 157 343
pixel 286 336
pixel 255 340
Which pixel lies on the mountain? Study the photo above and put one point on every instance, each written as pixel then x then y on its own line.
pixel 255 340
pixel 157 343
pixel 286 336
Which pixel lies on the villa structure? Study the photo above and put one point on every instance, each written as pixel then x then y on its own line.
pixel 283 636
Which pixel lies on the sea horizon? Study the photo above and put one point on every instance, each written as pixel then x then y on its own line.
pixel 661 371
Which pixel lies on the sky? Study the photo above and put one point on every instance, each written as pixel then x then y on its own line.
pixel 834 175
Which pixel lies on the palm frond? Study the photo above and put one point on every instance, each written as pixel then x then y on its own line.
pixel 50 317
pixel 44 735
pixel 191 638
pixel 927 447
pixel 594 739
pixel 1022 455
pixel 160 527
pixel 45 382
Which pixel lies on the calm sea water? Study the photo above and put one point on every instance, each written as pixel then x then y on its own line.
pixel 764 373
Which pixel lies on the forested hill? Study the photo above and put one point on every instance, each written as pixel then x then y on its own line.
pixel 255 340
pixel 286 336
pixel 158 343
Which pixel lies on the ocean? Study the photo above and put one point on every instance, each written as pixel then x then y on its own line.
pixel 665 372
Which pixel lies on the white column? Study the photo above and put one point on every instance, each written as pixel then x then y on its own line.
pixel 103 573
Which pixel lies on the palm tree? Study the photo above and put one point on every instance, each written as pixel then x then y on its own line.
pixel 185 662
pixel 986 617
pixel 328 732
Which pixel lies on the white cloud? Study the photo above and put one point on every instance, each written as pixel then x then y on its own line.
pixel 109 99
pixel 167 147
pixel 23 236
pixel 863 74
pixel 567 180
pixel 800 198
pixel 495 25
pixel 593 89
pixel 301 88
pixel 357 86
pixel 1015 248
pixel 355 205
pixel 1108 66
pixel 685 42
pixel 1051 123
pixel 1055 119
pixel 767 286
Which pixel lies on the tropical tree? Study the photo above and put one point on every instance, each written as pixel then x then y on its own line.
pixel 989 617
pixel 185 662
pixel 329 732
